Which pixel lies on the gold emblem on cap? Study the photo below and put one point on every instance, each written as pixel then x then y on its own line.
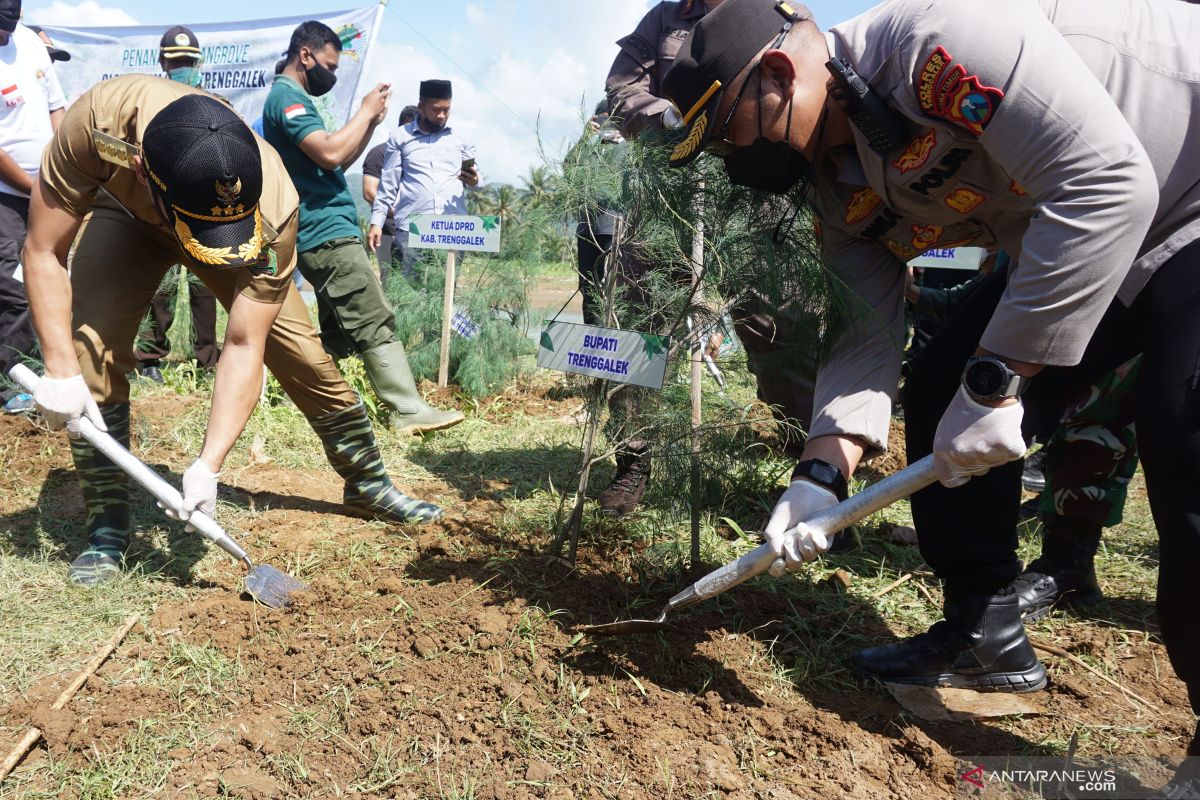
pixel 229 191
pixel 220 256
pixel 688 146
pixel 181 39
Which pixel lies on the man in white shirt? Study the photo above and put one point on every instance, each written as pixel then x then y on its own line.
pixel 31 107
pixel 427 170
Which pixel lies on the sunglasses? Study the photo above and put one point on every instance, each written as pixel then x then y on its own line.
pixel 719 145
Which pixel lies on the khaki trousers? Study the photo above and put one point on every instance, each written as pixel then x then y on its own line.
pixel 115 271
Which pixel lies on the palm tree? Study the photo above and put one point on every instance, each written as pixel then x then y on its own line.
pixel 537 186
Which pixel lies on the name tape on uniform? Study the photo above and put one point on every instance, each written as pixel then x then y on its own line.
pixel 967 258
pixel 639 359
pixel 454 232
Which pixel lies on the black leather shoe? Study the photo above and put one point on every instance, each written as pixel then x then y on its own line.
pixel 1033 478
pixel 1065 572
pixel 1045 584
pixel 980 645
pixel 1185 785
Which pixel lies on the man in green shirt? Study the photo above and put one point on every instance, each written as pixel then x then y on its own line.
pixel 354 313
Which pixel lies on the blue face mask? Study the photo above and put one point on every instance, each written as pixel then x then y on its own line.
pixel 189 76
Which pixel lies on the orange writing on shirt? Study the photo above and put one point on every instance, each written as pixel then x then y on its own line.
pixel 862 205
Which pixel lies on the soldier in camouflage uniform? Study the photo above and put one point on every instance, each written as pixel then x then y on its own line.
pixel 1089 462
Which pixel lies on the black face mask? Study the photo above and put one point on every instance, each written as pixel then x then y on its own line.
pixel 319 78
pixel 766 166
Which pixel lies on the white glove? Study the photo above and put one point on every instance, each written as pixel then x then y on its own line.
pixel 199 493
pixel 793 542
pixel 62 401
pixel 972 438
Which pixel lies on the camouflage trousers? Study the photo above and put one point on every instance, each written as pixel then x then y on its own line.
pixel 1093 455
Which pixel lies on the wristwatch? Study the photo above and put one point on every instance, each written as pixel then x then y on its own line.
pixel 824 474
pixel 987 379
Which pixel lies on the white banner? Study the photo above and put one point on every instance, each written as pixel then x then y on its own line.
pixel 239 57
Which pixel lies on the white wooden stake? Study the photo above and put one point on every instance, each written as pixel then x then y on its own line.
pixel 447 316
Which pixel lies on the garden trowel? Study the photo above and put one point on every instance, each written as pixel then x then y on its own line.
pixel 264 583
pixel 878 496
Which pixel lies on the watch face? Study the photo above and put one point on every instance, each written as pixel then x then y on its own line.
pixel 985 378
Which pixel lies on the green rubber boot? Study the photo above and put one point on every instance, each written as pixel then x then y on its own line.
pixel 387 369
pixel 350 447
pixel 105 488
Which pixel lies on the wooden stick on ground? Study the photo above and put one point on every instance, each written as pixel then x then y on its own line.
pixel 31 738
pixel 1074 659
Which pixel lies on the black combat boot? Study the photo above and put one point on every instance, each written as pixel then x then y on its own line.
pixel 629 484
pixel 1185 783
pixel 351 449
pixel 1066 570
pixel 105 489
pixel 981 645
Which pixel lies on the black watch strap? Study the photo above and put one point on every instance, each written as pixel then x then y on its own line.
pixel 824 474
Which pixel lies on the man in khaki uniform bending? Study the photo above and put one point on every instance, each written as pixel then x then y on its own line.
pixel 142 174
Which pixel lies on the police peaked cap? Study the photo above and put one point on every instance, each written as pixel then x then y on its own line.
pixel 723 42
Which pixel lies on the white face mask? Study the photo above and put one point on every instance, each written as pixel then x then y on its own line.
pixel 189 75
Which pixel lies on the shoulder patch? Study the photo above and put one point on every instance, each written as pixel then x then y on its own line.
pixel 964 200
pixel 267 264
pixel 916 155
pixel 862 205
pixel 946 90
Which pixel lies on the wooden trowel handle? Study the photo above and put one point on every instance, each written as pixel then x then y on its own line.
pixel 878 496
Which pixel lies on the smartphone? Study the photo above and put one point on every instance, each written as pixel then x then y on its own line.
pixel 468 164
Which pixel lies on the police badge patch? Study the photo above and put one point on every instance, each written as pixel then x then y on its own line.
pixel 862 205
pixel 946 90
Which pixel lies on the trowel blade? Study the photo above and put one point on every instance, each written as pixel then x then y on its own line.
pixel 627 627
pixel 272 587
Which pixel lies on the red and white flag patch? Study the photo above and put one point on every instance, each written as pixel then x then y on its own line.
pixel 12 95
pixel 944 89
pixel 293 111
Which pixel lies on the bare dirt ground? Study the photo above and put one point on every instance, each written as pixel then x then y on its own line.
pixel 445 663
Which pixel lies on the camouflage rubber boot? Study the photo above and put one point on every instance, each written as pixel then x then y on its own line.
pixel 628 486
pixel 351 449
pixel 105 488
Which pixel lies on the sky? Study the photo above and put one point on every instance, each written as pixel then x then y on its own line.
pixel 523 70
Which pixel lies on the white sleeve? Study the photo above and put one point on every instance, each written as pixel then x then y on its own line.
pixel 55 99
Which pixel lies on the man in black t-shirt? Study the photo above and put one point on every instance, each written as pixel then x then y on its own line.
pixel 372 172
